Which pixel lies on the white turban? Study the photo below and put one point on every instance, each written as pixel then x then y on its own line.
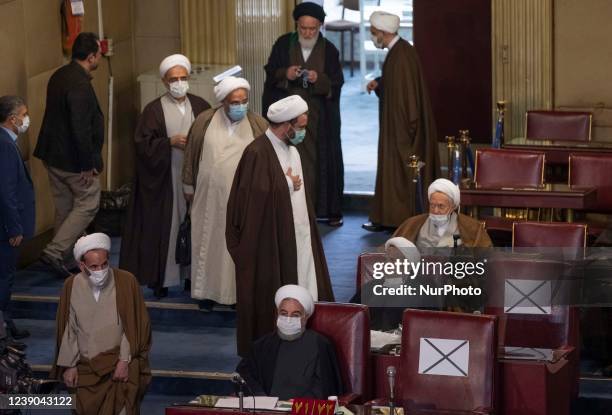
pixel 407 248
pixel 172 61
pixel 287 109
pixel 228 85
pixel 89 243
pixel 300 294
pixel 387 22
pixel 447 187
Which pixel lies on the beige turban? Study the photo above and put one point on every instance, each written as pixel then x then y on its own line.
pixel 387 22
pixel 172 61
pixel 300 294
pixel 89 243
pixel 407 248
pixel 447 187
pixel 287 109
pixel 228 85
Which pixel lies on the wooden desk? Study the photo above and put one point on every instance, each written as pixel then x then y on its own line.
pixel 556 196
pixel 356 409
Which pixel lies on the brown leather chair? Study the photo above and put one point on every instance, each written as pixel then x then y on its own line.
pixel 344 25
pixel 548 235
pixel 470 386
pixel 593 171
pixel 348 327
pixel 509 168
pixel 558 126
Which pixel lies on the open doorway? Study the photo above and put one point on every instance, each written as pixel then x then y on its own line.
pixel 359 111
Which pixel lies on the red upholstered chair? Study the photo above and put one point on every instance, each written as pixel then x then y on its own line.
pixel 348 327
pixel 558 126
pixel 509 168
pixel 465 379
pixel 530 386
pixel 591 170
pixel 365 270
pixel 549 235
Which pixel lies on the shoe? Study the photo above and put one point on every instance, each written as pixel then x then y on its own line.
pixel 14 332
pixel 335 222
pixel 206 305
pixel 373 227
pixel 54 266
pixel 187 285
pixel 160 292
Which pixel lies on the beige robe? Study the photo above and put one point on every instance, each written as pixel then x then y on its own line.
pixel 213 274
pixel 177 122
pixel 94 326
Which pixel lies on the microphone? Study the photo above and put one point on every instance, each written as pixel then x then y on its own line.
pixel 237 379
pixel 456 238
pixel 391 379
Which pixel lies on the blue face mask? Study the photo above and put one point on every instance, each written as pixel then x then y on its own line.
pixel 299 137
pixel 237 111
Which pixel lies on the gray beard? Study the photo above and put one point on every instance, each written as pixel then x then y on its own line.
pixel 308 43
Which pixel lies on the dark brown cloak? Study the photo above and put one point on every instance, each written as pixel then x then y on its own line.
pixel 406 127
pixel 260 237
pixel 321 151
pixel 96 392
pixel 146 232
pixel 473 233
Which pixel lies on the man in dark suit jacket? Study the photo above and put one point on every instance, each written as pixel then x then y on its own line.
pixel 16 200
pixel 70 145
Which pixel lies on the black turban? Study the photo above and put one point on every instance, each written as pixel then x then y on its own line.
pixel 309 9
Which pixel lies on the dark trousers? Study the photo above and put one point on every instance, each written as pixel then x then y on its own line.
pixel 8 264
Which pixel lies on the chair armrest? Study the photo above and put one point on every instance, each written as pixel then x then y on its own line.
pixel 348 398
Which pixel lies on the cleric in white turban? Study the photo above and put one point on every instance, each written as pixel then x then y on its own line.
pixel 271 231
pixel 103 333
pixel 292 360
pixel 157 207
pixel 214 147
pixel 444 226
pixel 406 122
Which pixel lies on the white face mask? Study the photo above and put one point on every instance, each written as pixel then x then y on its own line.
pixel 439 220
pixel 289 328
pixel 98 278
pixel 25 124
pixel 179 89
pixel 378 43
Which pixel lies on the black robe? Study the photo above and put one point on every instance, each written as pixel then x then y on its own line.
pixel 259 367
pixel 324 95
pixel 260 237
pixel 146 232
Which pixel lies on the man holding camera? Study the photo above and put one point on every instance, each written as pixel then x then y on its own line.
pixel 304 63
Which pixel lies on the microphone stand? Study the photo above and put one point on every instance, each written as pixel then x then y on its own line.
pixel 240 397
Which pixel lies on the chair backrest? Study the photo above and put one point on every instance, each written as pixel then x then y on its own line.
pixel 548 235
pixel 558 125
pixel 365 267
pixel 350 4
pixel 549 324
pixel 347 326
pixel 448 360
pixel 509 168
pixel 591 170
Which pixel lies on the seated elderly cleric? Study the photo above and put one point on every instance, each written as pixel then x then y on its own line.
pixel 292 361
pixel 444 223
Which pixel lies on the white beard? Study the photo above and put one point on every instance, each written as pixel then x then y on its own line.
pixel 308 43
